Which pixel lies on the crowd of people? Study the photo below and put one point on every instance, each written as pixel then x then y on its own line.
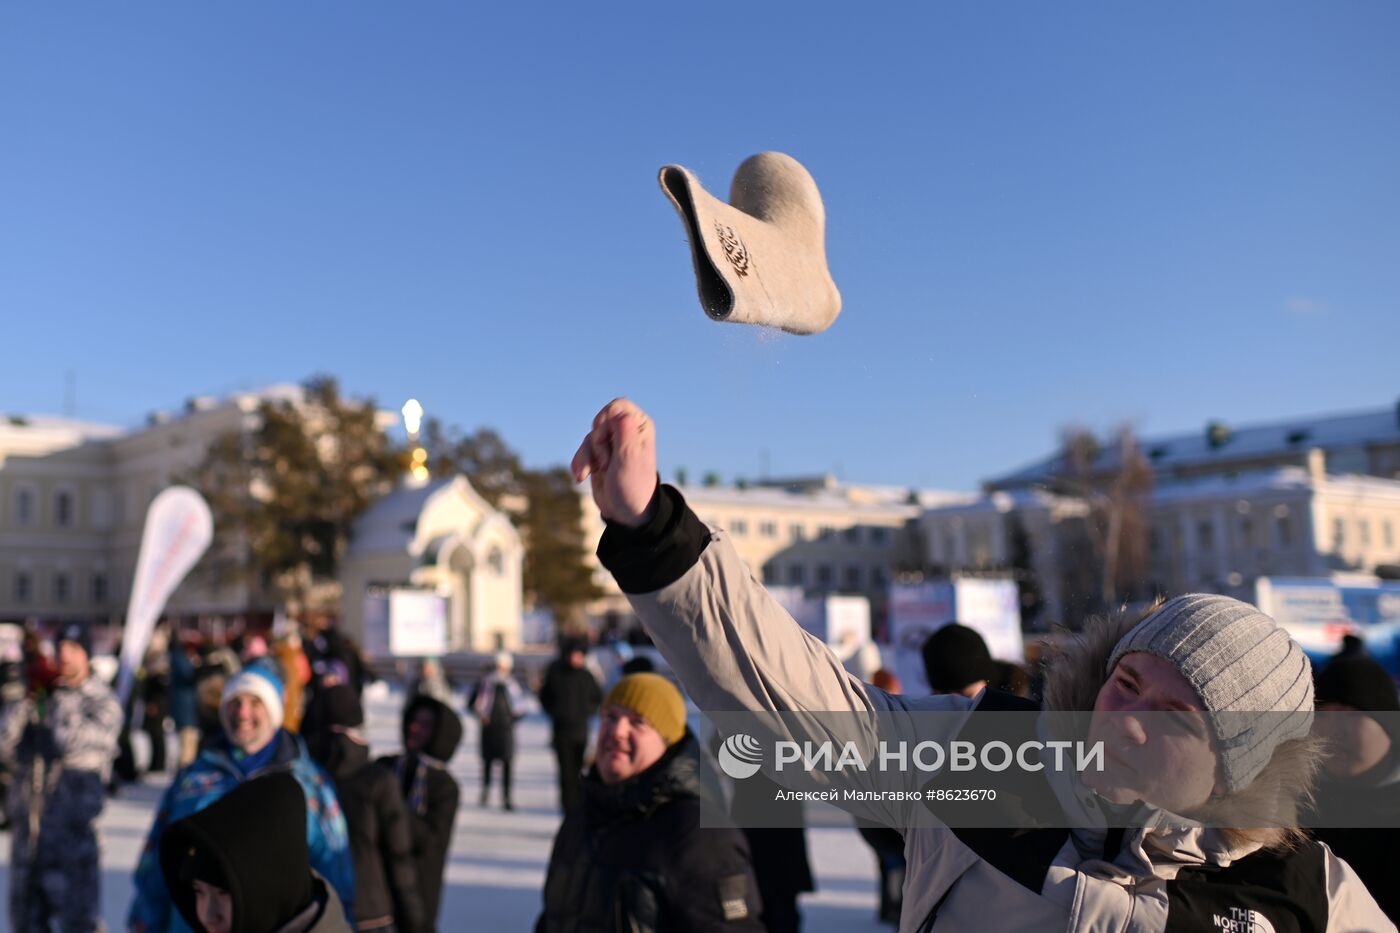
pixel 280 817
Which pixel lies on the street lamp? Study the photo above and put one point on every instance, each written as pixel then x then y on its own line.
pixel 412 418
pixel 412 422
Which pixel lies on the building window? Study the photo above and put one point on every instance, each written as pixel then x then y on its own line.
pixel 950 552
pixel 738 528
pixel 797 575
pixel 796 532
pixel 24 507
pixel 1205 536
pixel 1285 531
pixel 496 560
pixel 879 536
pixel 852 578
pixel 824 575
pixel 1246 530
pixel 825 531
pixel 878 577
pixel 981 547
pixel 1387 534
pixel 24 586
pixel 60 587
pixel 1339 534
pixel 770 574
pixel 99 588
pixel 852 534
pixel 768 529
pixel 1363 533
pixel 63 509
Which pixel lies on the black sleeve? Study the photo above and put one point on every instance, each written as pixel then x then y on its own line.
pixel 435 833
pixel 549 691
pixel 396 845
pixel 646 559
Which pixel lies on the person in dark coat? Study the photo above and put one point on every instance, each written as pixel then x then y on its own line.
pixel 570 696
pixel 431 734
pixel 778 844
pixel 498 702
pixel 887 843
pixel 155 692
pixel 334 657
pixel 232 867
pixel 183 703
pixel 1362 772
pixel 217 665
pixel 633 856
pixel 381 839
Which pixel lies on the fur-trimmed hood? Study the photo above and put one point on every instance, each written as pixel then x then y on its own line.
pixel 1076 672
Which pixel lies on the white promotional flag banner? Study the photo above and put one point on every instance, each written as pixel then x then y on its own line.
pixel 178 531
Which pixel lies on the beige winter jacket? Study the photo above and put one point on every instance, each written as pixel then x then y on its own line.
pixel 734 648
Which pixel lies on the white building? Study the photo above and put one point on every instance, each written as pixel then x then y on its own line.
pixel 812 533
pixel 444 536
pixel 979 536
pixel 1221 534
pixel 1365 443
pixel 1215 533
pixel 73 500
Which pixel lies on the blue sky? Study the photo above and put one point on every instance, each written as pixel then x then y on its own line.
pixel 1038 214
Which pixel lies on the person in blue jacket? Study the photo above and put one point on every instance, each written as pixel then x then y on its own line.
pixel 254 744
pixel 183 706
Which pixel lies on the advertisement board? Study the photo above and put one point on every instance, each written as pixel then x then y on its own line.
pixel 917 609
pixel 405 622
pixel 1318 612
pixel 836 620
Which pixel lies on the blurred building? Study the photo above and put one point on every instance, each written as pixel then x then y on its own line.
pixel 73 500
pixel 1365 443
pixel 445 537
pixel 1313 497
pixel 813 533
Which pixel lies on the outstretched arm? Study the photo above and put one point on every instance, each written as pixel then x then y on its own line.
pixel 730 643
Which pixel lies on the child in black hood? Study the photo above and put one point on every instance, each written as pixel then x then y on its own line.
pixel 431 734
pixel 381 836
pixel 234 867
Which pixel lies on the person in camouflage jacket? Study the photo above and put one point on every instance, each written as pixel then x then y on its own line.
pixel 60 743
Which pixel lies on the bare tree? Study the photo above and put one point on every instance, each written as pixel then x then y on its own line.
pixel 1110 559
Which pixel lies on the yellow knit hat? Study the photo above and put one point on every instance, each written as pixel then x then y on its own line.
pixel 655 699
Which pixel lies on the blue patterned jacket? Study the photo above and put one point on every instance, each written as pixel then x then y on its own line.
pixel 210 776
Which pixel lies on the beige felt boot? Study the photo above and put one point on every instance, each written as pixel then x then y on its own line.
pixel 760 259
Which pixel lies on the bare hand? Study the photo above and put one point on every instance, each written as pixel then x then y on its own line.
pixel 619 454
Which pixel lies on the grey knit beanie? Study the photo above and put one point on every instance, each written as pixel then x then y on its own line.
pixel 1254 679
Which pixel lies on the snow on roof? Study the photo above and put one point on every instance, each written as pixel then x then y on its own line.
pixel 1264 481
pixel 1014 500
pixel 835 498
pixel 1277 438
pixel 37 435
pixel 389 524
pixel 1198 489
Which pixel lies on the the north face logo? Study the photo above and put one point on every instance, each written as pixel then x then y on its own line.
pixel 1240 920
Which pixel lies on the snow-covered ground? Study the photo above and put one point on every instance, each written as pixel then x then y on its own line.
pixel 496 868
